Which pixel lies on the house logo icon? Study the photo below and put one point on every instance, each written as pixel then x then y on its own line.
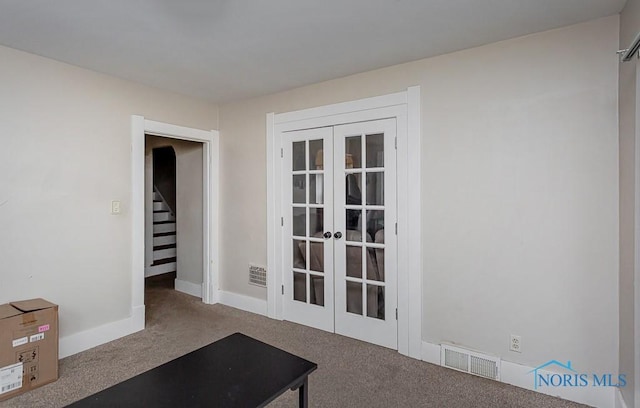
pixel 565 367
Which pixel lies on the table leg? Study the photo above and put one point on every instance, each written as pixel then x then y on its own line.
pixel 303 394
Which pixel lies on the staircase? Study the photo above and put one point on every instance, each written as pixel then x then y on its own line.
pixel 164 238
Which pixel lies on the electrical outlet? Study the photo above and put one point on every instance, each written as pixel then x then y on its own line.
pixel 515 344
pixel 115 207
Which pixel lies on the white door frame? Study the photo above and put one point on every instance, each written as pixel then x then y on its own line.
pixel 405 107
pixel 210 179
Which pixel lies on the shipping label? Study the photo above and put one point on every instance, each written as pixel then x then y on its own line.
pixel 20 341
pixel 10 378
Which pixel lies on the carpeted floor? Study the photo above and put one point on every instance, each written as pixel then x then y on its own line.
pixel 350 373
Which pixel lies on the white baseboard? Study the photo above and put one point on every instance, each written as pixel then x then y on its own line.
pixel 193 289
pixel 619 400
pixel 87 339
pixel 431 353
pixel 242 302
pixel 521 376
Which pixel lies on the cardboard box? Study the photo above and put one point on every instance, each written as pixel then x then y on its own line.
pixel 28 346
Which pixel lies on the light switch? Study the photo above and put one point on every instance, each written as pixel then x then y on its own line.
pixel 115 207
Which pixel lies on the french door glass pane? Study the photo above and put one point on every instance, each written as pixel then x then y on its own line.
pixel 354 297
pixel 373 266
pixel 298 156
pixel 316 256
pixel 375 301
pixel 380 262
pixel 299 287
pixel 316 157
pixel 376 272
pixel 375 150
pixel 354 227
pixel 354 261
pixel 375 188
pixel 316 222
pixel 317 290
pixel 316 188
pixel 375 224
pixel 353 152
pixel 299 221
pixel 299 189
pixel 299 254
pixel 353 187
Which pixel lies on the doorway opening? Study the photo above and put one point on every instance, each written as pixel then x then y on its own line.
pixel 207 156
pixel 174 214
pixel 162 266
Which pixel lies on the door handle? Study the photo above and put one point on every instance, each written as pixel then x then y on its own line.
pixel 337 235
pixel 327 234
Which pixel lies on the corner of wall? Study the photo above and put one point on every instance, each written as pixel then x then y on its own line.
pixel 193 289
pixel 242 302
pixel 105 333
pixel 620 403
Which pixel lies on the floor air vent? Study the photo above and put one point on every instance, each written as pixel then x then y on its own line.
pixel 470 362
pixel 258 275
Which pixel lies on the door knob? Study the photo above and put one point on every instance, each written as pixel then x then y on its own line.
pixel 327 234
pixel 337 235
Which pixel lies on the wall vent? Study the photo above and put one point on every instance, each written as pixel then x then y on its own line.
pixel 470 362
pixel 258 275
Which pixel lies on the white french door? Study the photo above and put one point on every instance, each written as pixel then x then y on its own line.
pixel 308 254
pixel 365 256
pixel 340 267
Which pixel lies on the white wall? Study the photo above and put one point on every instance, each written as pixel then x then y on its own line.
pixel 629 356
pixel 189 210
pixel 189 213
pixel 520 191
pixel 521 199
pixel 66 153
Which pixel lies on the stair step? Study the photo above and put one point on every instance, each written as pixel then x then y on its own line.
pixel 164 227
pixel 160 206
pixel 163 246
pixel 158 269
pixel 160 216
pixel 164 234
pixel 164 253
pixel 164 240
pixel 164 261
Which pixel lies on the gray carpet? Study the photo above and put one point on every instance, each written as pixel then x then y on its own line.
pixel 350 373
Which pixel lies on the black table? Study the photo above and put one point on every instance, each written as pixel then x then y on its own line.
pixel 237 371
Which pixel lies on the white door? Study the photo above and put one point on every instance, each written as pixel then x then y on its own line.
pixel 366 294
pixel 339 191
pixel 308 214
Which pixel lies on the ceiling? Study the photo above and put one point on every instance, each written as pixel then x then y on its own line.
pixel 225 50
